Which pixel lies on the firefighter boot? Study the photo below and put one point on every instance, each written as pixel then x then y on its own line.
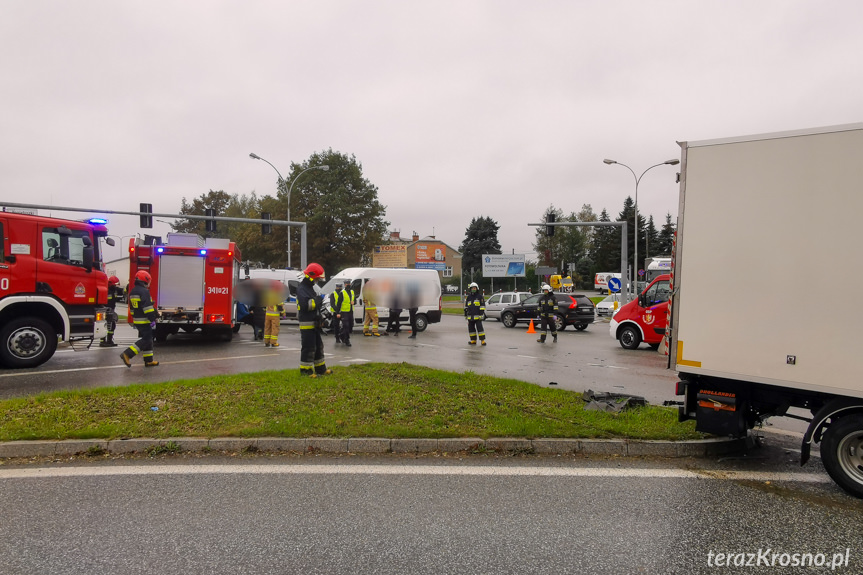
pixel 541 339
pixel 554 336
pixel 107 341
pixel 151 363
pixel 126 358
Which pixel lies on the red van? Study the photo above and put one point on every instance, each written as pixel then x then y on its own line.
pixel 644 318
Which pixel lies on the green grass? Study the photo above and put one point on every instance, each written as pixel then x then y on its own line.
pixel 372 400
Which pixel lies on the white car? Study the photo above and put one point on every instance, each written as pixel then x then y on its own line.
pixel 608 306
pixel 496 303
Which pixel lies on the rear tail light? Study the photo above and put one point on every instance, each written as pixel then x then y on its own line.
pixel 217 318
pixel 574 303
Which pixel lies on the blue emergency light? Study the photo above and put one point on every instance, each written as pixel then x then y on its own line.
pixel 98 221
pixel 203 252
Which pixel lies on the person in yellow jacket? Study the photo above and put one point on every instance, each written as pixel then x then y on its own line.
pixel 274 311
pixel 370 317
pixel 342 307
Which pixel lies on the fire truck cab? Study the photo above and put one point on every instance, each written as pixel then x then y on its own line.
pixel 52 287
pixel 193 283
pixel 645 318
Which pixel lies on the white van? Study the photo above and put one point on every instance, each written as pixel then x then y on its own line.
pixel 393 287
pixel 600 281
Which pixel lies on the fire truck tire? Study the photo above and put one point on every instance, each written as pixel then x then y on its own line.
pixel 161 334
pixel 629 337
pixel 27 342
pixel 842 453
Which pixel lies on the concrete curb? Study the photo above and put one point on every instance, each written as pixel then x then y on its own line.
pixel 470 445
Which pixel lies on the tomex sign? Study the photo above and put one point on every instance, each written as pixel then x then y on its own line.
pixel 503 266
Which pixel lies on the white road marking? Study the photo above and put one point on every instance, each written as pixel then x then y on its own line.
pixel 447 470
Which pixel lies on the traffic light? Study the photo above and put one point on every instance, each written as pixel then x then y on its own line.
pixel 549 219
pixel 266 228
pixel 146 221
pixel 211 224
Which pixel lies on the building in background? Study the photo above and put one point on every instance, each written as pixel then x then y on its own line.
pixel 427 253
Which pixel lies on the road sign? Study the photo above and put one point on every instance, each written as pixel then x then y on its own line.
pixel 640 272
pixel 614 285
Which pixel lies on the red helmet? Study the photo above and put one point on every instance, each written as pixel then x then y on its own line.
pixel 113 280
pixel 314 270
pixel 143 276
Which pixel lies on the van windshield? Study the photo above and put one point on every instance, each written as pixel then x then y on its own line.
pixel 330 286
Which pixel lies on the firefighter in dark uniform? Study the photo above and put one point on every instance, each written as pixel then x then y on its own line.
pixel 309 306
pixel 115 294
pixel 474 310
pixel 144 316
pixel 547 307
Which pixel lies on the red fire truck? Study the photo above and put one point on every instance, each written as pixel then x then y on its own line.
pixel 52 287
pixel 193 283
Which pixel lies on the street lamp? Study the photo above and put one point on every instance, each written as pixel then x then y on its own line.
pixel 637 180
pixel 325 168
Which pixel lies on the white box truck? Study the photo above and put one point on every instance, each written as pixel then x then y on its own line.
pixel 761 205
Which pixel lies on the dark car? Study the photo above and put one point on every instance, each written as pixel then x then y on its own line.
pixel 572 309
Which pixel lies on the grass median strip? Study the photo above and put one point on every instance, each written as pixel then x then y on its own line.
pixel 371 400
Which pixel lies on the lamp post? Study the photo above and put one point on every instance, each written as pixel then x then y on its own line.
pixel 673 162
pixel 325 168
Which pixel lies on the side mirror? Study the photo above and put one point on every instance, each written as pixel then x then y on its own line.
pixel 642 300
pixel 110 241
pixel 88 258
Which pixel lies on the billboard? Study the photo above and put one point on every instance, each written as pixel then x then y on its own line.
pixel 431 257
pixel 395 256
pixel 503 266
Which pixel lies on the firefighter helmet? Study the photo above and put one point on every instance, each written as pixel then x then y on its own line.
pixel 472 286
pixel 143 276
pixel 314 270
pixel 113 280
pixel 546 287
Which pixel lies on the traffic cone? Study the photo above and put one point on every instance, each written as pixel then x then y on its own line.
pixel 530 329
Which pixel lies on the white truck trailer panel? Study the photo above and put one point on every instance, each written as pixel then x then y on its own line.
pixel 761 218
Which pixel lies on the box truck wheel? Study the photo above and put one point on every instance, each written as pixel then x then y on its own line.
pixel 629 337
pixel 421 321
pixel 842 453
pixel 27 342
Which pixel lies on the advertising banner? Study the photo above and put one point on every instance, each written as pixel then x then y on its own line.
pixel 503 265
pixel 395 256
pixel 431 257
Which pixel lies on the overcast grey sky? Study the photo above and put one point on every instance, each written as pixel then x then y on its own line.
pixel 455 109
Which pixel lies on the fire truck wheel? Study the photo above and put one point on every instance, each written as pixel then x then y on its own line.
pixel 27 342
pixel 161 334
pixel 629 337
pixel 842 453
